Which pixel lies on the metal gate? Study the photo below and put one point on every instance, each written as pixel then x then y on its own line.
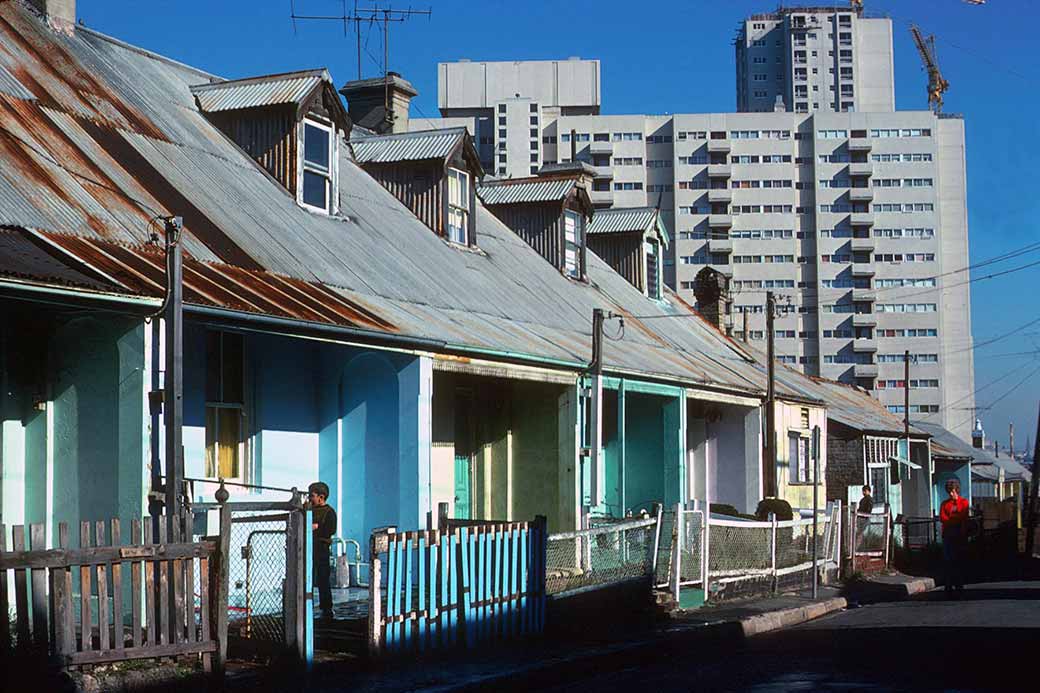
pixel 265 570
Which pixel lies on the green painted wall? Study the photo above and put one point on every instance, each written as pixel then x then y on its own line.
pixel 536 458
pixel 516 458
pixel 644 450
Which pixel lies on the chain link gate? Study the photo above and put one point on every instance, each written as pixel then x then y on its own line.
pixel 256 596
pixel 265 579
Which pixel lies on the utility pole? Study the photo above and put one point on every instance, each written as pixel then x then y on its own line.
pixel 1034 484
pixel 746 337
pixel 815 507
pixel 596 480
pixel 769 463
pixel 173 397
pixel 906 401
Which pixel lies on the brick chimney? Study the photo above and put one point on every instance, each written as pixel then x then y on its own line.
pixel 711 288
pixel 367 102
pixel 60 14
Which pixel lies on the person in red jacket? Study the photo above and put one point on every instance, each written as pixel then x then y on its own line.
pixel 953 513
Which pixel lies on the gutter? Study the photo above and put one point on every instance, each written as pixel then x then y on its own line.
pixel 293 326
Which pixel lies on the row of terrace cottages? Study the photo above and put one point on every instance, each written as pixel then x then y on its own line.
pixel 366 309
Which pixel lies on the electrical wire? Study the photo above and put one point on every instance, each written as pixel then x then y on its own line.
pixel 1003 396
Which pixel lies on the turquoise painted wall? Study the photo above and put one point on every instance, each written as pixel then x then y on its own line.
pixel 350 417
pixel 645 451
pixel 81 457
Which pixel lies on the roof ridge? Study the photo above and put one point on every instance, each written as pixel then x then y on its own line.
pixel 145 52
pixel 412 133
pixel 312 72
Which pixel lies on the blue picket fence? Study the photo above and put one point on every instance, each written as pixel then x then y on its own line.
pixel 457 586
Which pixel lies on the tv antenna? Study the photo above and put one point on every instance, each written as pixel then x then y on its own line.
pixel 371 15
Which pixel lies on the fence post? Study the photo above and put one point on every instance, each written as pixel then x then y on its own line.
pixel 377 544
pixel 585 544
pixel 888 537
pixel 836 532
pixel 706 548
pixel 772 551
pixel 657 535
pixel 677 552
pixel 442 516
pixel 218 585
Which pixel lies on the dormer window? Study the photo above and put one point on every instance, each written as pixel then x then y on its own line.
pixel 573 233
pixel 289 124
pixel 549 211
pixel 631 240
pixel 458 206
pixel 432 172
pixel 318 155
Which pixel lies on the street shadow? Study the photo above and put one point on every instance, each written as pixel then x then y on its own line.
pixel 978 594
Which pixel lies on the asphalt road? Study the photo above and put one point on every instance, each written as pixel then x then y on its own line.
pixel 987 639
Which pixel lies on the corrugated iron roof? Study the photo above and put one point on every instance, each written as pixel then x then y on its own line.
pixel 622 219
pixel 114 138
pixel 508 192
pixel 255 92
pixel 407 146
pixel 946 444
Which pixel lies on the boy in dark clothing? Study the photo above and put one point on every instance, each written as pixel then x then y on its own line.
pixel 866 503
pixel 324 526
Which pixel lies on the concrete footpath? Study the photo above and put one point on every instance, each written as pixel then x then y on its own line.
pixel 697 632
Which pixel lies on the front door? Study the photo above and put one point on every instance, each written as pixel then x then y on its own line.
pixel 462 493
pixel 463 454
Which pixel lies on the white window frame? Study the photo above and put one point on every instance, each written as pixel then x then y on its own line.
pixel 652 247
pixel 304 167
pixel 458 206
pixel 572 269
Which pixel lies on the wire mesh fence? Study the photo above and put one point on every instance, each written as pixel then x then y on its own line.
pixel 740 548
pixel 257 570
pixel 600 556
pixel 870 533
pixel 795 541
pixel 691 548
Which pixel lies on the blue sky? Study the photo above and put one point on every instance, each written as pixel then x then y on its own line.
pixel 676 57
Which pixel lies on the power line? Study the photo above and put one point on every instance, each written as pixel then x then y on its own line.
pixel 1006 394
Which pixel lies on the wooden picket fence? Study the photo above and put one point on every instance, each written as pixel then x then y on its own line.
pixel 456 585
pixel 159 567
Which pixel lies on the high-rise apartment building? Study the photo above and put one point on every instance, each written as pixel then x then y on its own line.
pixel 853 213
pixel 814 59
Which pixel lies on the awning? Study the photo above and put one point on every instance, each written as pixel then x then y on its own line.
pixel 905 462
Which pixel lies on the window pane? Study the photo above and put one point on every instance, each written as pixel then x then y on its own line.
pixel 315 190
pixel 223 433
pixel 316 146
pixel 457 222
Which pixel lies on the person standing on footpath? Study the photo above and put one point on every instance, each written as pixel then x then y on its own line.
pixel 323 518
pixel 953 513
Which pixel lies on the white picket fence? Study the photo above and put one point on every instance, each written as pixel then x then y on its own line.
pixel 706 551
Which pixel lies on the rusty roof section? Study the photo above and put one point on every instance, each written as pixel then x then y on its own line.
pixel 112 138
pixel 140 271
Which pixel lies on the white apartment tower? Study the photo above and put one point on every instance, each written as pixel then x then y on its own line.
pixel 814 59
pixel 852 212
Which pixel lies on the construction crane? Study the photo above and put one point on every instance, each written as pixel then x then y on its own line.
pixel 937 86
